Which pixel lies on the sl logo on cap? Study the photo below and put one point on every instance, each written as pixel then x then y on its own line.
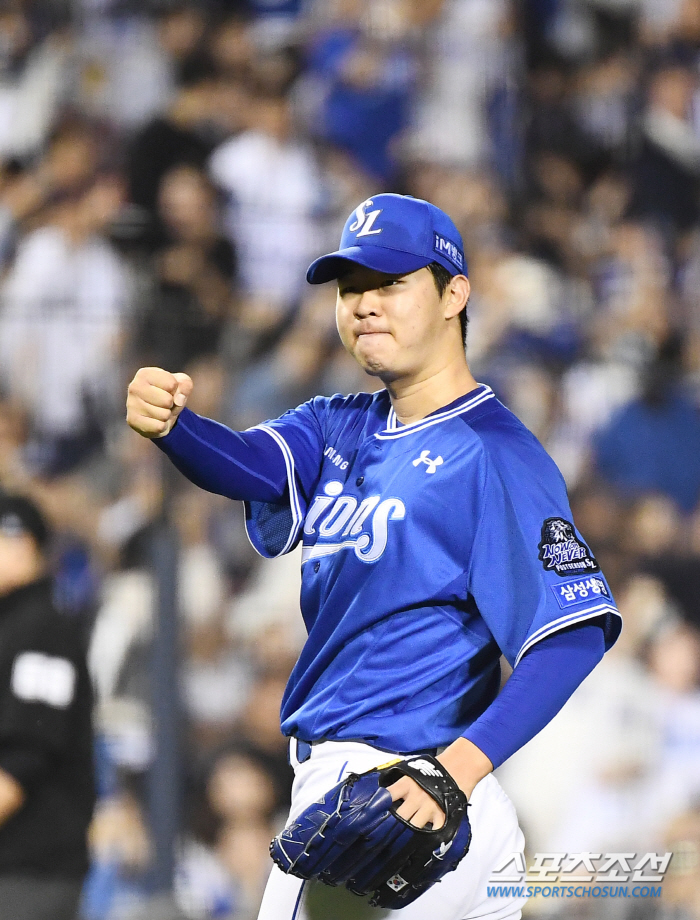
pixel 363 222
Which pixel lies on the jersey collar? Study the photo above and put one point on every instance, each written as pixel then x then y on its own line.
pixel 394 429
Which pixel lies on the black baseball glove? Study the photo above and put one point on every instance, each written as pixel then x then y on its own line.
pixel 353 836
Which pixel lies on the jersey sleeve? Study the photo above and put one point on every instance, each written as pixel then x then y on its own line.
pixel 242 465
pixel 274 528
pixel 537 689
pixel 531 573
pixel 272 467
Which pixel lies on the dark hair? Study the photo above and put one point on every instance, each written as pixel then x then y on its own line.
pixel 442 278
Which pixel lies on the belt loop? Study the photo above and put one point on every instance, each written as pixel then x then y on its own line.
pixel 298 752
pixel 292 753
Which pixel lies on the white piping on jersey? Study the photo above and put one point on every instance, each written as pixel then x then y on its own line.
pixel 421 424
pixel 586 614
pixel 324 549
pixel 294 504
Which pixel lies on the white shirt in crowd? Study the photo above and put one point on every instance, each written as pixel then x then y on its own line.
pixel 274 197
pixel 60 315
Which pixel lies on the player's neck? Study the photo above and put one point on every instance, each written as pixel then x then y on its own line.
pixel 415 398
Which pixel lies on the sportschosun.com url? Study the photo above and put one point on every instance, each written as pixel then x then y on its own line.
pixel 574 891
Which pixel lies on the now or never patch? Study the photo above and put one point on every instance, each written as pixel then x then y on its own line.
pixel 562 552
pixel 40 678
pixel 569 593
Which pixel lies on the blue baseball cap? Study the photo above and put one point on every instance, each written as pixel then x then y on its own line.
pixel 396 234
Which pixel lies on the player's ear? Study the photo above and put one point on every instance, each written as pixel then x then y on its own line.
pixel 456 295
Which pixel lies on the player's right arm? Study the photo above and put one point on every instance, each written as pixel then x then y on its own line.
pixel 242 465
pixel 273 463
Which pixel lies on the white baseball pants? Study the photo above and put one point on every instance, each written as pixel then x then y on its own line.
pixel 461 895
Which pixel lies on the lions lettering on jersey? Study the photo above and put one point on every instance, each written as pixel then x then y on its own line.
pixel 344 516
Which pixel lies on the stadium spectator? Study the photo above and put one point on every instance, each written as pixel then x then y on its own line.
pixel 666 174
pixel 34 76
pixel 187 313
pixel 273 185
pixel 63 304
pixel 653 443
pixel 367 72
pixel 181 134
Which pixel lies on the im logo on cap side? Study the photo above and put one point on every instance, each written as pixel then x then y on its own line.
pixel 450 250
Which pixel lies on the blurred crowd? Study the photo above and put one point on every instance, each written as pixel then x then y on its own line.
pixel 167 172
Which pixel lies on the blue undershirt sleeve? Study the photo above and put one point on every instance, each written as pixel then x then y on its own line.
pixel 541 683
pixel 242 465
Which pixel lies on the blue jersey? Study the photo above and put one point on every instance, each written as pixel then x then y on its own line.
pixel 428 550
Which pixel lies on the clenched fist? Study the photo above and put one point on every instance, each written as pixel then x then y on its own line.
pixel 155 399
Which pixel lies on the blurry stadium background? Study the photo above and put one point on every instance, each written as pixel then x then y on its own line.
pixel 167 172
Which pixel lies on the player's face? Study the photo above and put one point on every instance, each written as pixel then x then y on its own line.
pixel 393 325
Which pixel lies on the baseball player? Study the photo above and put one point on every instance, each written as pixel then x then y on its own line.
pixel 436 536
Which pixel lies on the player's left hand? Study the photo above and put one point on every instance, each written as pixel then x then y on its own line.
pixel 352 835
pixel 418 807
pixel 467 765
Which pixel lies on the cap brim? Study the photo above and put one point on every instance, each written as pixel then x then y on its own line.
pixel 391 261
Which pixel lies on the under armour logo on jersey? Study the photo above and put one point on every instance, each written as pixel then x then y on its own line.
pixel 425 458
pixel 425 767
pixel 362 225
